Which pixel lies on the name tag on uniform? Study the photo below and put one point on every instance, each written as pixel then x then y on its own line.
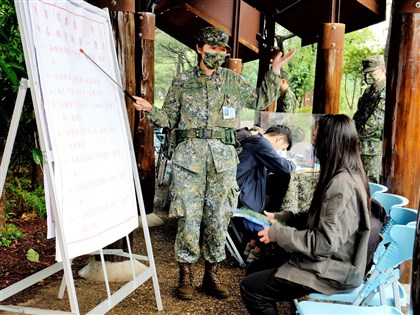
pixel 229 113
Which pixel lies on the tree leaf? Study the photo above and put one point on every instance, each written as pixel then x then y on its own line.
pixel 37 156
pixel 32 255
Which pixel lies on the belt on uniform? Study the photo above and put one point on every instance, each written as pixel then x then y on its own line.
pixel 227 136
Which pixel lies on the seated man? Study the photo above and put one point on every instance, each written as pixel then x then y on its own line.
pixel 257 155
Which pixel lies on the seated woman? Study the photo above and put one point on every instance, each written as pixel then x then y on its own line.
pixel 325 249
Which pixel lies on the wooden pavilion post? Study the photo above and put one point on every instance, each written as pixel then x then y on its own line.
pixel 401 145
pixel 329 68
pixel 145 78
pixel 234 63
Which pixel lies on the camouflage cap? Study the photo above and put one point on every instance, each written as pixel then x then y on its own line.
pixel 213 36
pixel 373 62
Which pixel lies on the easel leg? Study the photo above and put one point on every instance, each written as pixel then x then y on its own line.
pixel 11 136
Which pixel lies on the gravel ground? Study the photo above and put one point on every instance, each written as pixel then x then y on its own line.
pixel 142 300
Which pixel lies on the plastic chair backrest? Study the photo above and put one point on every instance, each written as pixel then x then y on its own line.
pixel 390 200
pixel 374 188
pixel 398 215
pixel 400 249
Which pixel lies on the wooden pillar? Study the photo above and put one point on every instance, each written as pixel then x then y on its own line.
pixel 235 64
pixel 143 132
pixel 329 68
pixel 401 144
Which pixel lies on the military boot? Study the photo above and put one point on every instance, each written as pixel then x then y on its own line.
pixel 211 283
pixel 185 290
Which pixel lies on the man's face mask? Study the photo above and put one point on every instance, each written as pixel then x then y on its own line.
pixel 214 60
pixel 371 77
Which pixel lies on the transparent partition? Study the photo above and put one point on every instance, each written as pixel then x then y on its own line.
pixel 302 127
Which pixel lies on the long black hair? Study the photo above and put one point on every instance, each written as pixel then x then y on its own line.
pixel 337 149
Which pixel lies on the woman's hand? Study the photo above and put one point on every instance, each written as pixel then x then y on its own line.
pixel 142 104
pixel 270 216
pixel 280 60
pixel 264 235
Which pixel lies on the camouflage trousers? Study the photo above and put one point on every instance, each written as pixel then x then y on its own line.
pixel 203 204
pixel 373 167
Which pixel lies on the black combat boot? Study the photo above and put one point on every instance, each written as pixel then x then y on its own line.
pixel 211 283
pixel 185 290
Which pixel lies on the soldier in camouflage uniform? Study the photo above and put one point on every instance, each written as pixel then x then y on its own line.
pixel 287 102
pixel 202 106
pixel 369 117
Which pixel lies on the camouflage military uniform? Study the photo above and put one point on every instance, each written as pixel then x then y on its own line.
pixel 287 102
pixel 204 188
pixel 369 119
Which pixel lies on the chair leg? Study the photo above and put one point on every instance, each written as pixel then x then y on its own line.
pixel 234 251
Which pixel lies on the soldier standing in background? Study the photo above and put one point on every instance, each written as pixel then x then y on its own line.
pixel 202 106
pixel 370 114
pixel 287 101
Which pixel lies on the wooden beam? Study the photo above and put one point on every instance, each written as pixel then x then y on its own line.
pixel 373 5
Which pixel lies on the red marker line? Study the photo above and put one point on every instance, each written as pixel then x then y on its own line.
pixel 125 92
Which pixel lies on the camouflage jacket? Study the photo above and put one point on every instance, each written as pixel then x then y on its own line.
pixel 196 100
pixel 369 119
pixel 287 102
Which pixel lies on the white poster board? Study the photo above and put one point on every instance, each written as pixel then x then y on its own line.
pixel 86 128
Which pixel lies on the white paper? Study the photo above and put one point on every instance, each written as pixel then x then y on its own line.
pixel 93 176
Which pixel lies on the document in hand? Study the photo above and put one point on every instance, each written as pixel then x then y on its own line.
pixel 252 216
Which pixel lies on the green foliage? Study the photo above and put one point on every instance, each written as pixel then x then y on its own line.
pixel 250 71
pixel 37 156
pixel 171 57
pixel 11 233
pixel 301 67
pixel 11 54
pixel 22 197
pixel 12 69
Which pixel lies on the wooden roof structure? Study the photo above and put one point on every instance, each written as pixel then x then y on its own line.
pixel 304 18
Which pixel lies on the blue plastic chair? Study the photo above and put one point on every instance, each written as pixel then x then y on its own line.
pixel 374 188
pixel 390 200
pixel 398 215
pixel 322 308
pixel 381 286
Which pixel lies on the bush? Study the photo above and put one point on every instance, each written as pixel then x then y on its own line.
pixel 11 233
pixel 22 197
